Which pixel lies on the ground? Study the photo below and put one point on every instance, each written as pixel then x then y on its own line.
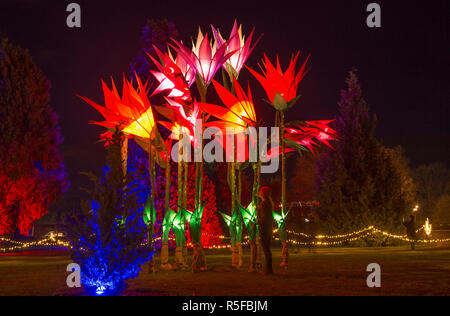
pixel 329 271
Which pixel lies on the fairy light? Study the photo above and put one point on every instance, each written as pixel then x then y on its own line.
pixel 334 240
pixel 427 227
pixel 322 240
pixel 46 242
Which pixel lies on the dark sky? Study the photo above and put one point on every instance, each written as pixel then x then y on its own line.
pixel 403 67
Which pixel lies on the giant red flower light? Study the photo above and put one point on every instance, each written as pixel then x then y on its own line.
pixel 206 59
pixel 278 84
pixel 310 135
pixel 307 137
pixel 237 44
pixel 132 112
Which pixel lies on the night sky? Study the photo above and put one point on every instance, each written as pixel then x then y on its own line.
pixel 403 66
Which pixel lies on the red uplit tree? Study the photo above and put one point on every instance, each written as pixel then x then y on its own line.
pixel 32 173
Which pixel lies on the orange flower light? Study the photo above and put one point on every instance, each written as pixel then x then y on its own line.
pixel 281 87
pixel 132 112
pixel 239 112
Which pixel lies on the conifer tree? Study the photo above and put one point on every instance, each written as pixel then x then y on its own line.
pixel 358 184
pixel 107 236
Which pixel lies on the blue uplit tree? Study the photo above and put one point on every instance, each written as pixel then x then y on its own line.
pixel 108 234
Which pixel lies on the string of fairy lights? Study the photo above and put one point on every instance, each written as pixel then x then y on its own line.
pixel 318 240
pixel 19 245
pixel 334 240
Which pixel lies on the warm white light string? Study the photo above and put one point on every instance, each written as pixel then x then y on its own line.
pixel 342 238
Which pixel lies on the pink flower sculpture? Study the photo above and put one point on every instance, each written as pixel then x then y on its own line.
pixel 236 43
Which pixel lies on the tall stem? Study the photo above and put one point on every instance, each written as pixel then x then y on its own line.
pixel 202 88
pixel 186 174
pixel 124 155
pixel 233 178
pixel 124 158
pixel 167 191
pixel 283 163
pixel 256 175
pixel 180 173
pixel 151 170
pixel 239 195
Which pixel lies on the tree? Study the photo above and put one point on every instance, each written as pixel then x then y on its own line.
pixel 32 173
pixel 302 186
pixel 107 236
pixel 432 181
pixel 441 214
pixel 358 183
pixel 157 33
pixel 401 166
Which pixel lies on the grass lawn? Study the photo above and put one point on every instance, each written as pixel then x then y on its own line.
pixel 329 271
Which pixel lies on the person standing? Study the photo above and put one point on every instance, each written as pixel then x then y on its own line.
pixel 411 230
pixel 265 222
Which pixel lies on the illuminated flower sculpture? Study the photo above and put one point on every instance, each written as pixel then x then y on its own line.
pixel 180 126
pixel 132 111
pixel 195 229
pixel 238 114
pixel 310 135
pixel 179 122
pixel 300 138
pixel 250 218
pixel 171 77
pixel 236 118
pixel 305 137
pixel 133 115
pixel 238 44
pixel 281 87
pixel 235 226
pixel 206 59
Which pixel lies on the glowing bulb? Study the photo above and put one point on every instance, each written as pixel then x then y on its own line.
pixel 427 227
pixel 100 290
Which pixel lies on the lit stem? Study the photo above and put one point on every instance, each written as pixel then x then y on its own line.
pixel 283 163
